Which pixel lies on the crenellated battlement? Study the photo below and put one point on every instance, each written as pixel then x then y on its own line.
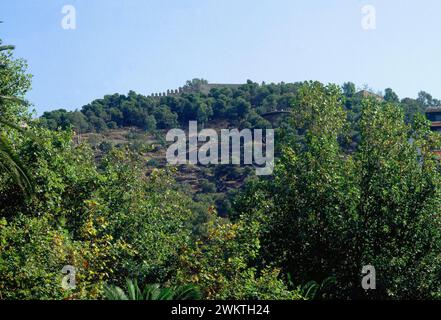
pixel 172 92
pixel 205 89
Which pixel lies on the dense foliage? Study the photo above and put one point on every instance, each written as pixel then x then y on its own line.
pixel 151 113
pixel 327 213
pixel 103 216
pixel 241 107
pixel 356 183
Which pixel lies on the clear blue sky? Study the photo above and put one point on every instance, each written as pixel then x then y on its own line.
pixel 151 46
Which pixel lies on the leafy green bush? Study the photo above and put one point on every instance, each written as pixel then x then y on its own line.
pixel 220 264
pixel 327 213
pixel 108 221
pixel 208 187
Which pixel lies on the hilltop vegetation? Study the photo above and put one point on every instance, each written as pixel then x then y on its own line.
pixel 242 107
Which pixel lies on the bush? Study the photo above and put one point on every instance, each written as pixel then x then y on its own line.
pixel 208 187
pixel 219 264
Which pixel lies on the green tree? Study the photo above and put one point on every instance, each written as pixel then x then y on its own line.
pixel 14 82
pixel 195 84
pixel 411 108
pixel 349 89
pixel 391 96
pixel 165 118
pixel 220 264
pixel 329 214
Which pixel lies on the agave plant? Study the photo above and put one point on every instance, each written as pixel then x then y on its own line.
pixel 152 292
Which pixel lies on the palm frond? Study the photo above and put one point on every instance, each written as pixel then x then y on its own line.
pixel 11 163
pixel 166 294
pixel 134 293
pixel 114 293
pixel 310 290
pixel 313 290
pixel 187 292
pixel 6 47
pixel 9 160
pixel 152 292
pixel 12 99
